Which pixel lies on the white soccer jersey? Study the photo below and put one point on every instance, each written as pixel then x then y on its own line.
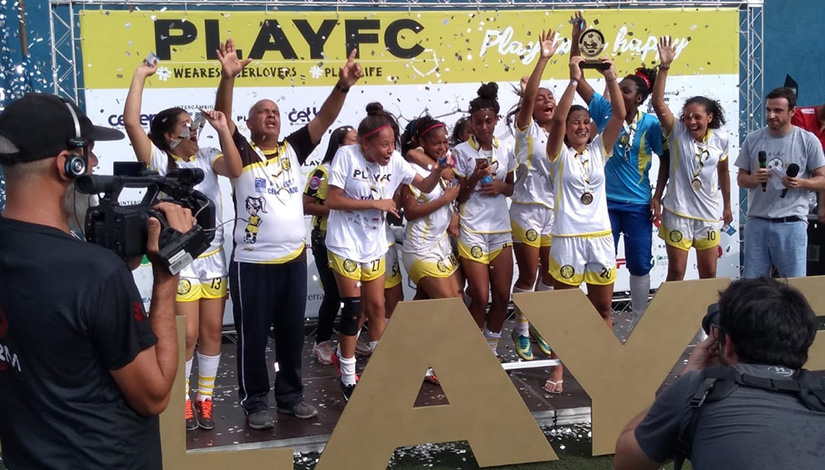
pixel 361 235
pixel 485 214
pixel 203 159
pixel 533 182
pixel 424 234
pixel 692 161
pixel 269 201
pixel 575 176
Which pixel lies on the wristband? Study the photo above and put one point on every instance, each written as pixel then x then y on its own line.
pixel 341 89
pixel 664 67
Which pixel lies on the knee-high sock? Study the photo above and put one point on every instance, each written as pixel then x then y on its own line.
pixel 207 371
pixel 348 370
pixel 639 291
pixel 188 371
pixel 522 325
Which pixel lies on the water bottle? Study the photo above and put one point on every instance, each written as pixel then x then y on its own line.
pixel 487 179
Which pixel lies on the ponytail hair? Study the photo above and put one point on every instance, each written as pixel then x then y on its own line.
pixel 376 120
pixel 335 141
pixel 711 106
pixel 644 78
pixel 163 123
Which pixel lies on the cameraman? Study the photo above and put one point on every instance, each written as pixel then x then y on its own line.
pixel 764 331
pixel 84 372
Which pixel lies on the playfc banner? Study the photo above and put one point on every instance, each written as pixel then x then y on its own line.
pixel 292 48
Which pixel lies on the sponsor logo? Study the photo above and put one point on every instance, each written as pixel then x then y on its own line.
pixel 260 185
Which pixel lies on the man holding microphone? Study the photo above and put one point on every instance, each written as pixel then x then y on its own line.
pixel 779 164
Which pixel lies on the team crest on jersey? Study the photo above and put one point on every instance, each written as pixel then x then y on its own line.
pixel 476 251
pixel 531 235
pixel 675 236
pixel 567 271
pixel 314 183
pixel 285 164
pixel 349 265
pixel 184 287
pixel 441 266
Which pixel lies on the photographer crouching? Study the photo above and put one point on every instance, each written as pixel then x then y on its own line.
pixel 744 401
pixel 84 371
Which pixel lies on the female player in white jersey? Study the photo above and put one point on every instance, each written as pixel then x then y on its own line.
pixel 531 211
pixel 427 252
pixel 583 248
pixel 698 173
pixel 485 168
pixel 173 143
pixel 362 182
pixel 628 175
pixel 315 196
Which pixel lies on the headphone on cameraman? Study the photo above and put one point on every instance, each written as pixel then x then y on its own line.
pixel 76 164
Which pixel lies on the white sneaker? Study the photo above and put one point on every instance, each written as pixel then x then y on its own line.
pixel 362 348
pixel 323 352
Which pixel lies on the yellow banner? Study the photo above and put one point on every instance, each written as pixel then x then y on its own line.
pixel 292 48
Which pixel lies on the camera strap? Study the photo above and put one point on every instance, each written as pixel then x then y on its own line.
pixel 719 382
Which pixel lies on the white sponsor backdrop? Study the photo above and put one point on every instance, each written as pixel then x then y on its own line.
pixel 299 104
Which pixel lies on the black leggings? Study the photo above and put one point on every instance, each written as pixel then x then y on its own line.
pixel 332 301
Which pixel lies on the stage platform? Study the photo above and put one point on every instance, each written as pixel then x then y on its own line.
pixel 322 391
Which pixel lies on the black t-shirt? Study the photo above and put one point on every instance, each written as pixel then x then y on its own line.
pixel 69 314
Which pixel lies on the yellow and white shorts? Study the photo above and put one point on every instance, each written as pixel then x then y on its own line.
pixel 590 259
pixel 205 278
pixel 683 233
pixel 482 247
pixel 532 224
pixel 439 262
pixel 367 271
pixel 393 277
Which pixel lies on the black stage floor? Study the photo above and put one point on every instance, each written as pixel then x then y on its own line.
pixel 322 390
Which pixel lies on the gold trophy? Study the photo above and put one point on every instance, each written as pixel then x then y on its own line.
pixel 591 45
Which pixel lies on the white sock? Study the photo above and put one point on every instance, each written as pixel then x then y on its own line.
pixel 492 339
pixel 542 287
pixel 348 370
pixel 207 371
pixel 373 344
pixel 639 291
pixel 188 371
pixel 522 327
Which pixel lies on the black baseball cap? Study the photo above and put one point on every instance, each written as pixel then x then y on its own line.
pixel 39 126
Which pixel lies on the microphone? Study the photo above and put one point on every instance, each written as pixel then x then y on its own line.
pixel 763 163
pixel 793 170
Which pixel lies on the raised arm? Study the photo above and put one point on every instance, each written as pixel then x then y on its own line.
pixel 230 68
pixel 547 43
pixel 131 113
pixel 229 164
pixel 667 52
pixel 557 132
pixel 614 125
pixel 348 76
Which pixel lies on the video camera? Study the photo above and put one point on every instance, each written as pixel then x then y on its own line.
pixel 123 228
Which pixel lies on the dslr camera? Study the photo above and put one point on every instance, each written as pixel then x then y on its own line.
pixel 123 228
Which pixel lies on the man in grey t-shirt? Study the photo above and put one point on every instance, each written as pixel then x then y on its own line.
pixel 765 330
pixel 776 233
